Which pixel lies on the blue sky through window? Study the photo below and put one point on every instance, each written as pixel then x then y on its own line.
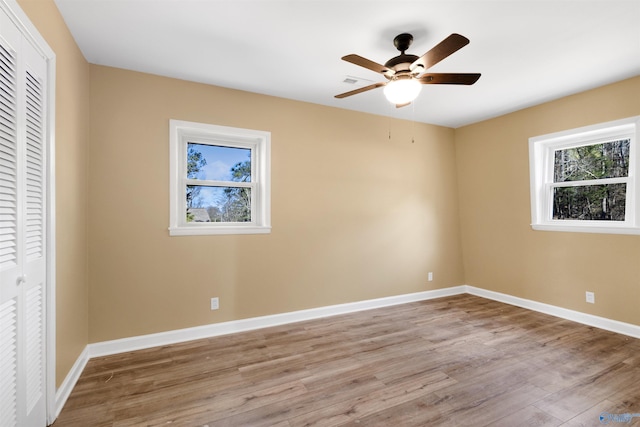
pixel 219 161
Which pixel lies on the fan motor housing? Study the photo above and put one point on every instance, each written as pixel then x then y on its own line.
pixel 401 62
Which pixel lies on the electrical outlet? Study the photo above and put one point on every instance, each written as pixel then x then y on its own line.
pixel 215 303
pixel 591 297
pixel 430 276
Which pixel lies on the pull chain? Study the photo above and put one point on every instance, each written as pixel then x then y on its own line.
pixel 413 122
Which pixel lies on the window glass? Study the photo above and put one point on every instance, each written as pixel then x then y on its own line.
pixel 218 163
pixel 606 160
pixel 590 202
pixel 218 204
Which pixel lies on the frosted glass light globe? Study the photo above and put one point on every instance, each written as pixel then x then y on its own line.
pixel 402 91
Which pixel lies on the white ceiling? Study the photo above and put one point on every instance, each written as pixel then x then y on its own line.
pixel 528 51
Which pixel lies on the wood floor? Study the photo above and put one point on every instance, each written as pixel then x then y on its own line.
pixel 455 361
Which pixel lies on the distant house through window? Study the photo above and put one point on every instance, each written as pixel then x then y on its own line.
pixel 586 179
pixel 219 179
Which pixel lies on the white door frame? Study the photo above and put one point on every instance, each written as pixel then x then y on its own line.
pixel 30 32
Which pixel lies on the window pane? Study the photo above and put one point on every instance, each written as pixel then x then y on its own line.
pixel 590 202
pixel 218 204
pixel 607 160
pixel 217 163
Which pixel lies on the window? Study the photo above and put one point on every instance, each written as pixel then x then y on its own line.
pixel 586 179
pixel 219 180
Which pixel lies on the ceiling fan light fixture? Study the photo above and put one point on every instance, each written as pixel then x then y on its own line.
pixel 402 91
pixel 405 72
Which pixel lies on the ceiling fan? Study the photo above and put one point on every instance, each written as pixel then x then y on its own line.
pixel 406 73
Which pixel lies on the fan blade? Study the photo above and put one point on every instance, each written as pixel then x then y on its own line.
pixel 368 64
pixel 449 78
pixel 402 105
pixel 360 90
pixel 445 48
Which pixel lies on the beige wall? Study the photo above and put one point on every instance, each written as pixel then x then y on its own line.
pixel 502 253
pixel 355 215
pixel 72 130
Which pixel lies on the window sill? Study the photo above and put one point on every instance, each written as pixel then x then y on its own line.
pixel 218 230
pixel 601 229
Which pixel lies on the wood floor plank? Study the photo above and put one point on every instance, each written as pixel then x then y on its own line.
pixel 453 361
pixel 612 414
pixel 528 416
pixel 565 404
pixel 493 406
pixel 427 410
pixel 339 391
pixel 376 401
pixel 211 407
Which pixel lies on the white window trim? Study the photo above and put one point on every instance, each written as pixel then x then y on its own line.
pixel 182 132
pixel 541 152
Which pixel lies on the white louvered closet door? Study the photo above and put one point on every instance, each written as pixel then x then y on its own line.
pixel 22 230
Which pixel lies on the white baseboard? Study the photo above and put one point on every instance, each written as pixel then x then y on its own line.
pixel 576 316
pixel 106 348
pixel 63 392
pixel 181 335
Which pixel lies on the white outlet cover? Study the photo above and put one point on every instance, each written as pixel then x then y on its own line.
pixel 215 304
